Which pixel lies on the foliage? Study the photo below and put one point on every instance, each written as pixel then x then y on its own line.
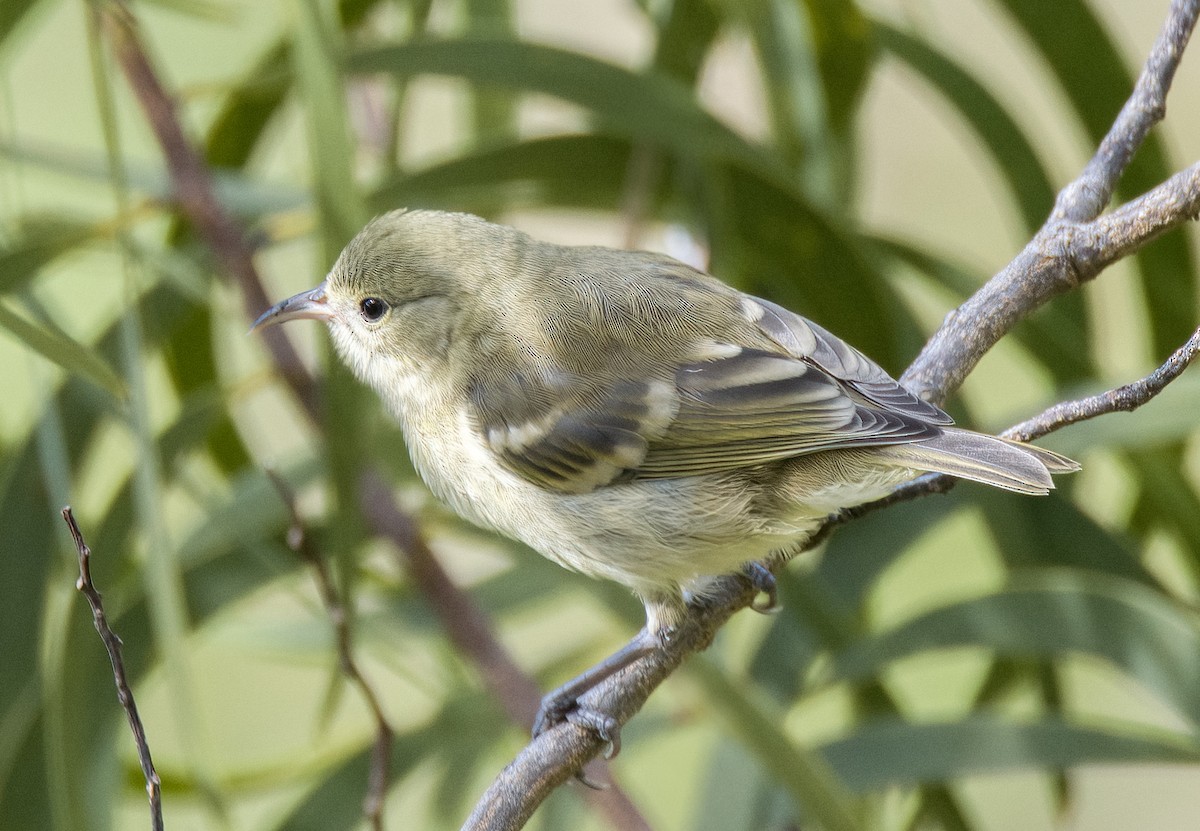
pixel 924 646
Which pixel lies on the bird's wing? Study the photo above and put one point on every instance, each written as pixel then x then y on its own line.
pixel 803 339
pixel 718 406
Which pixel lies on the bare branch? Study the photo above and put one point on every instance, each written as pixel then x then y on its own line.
pixel 1072 246
pixel 1122 399
pixel 112 643
pixel 1125 398
pixel 381 752
pixel 1058 259
pixel 1086 197
pixel 554 756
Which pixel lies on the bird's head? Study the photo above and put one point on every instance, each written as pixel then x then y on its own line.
pixel 395 296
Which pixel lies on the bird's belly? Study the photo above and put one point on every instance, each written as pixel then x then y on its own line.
pixel 650 535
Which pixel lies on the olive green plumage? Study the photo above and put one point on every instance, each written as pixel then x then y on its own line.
pixel 621 412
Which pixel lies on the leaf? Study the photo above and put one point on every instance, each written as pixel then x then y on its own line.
pixel 898 753
pixel 649 107
pixel 1053 614
pixel 1054 532
pixel 844 40
pixel 1016 160
pixel 735 793
pixel 52 343
pixel 783 37
pixel 214 11
pixel 12 13
pixel 316 62
pixel 684 39
pixel 39 240
pixel 814 788
pixel 240 194
pixel 574 170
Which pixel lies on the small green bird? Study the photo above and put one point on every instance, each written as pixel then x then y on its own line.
pixel 624 414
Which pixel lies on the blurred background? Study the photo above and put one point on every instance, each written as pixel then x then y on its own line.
pixel 970 661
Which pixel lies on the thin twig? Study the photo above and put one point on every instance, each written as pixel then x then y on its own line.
pixel 1126 398
pixel 112 643
pixel 381 752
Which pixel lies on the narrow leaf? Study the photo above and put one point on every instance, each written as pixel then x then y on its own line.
pixel 52 343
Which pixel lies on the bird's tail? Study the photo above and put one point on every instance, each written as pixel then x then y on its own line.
pixel 1010 465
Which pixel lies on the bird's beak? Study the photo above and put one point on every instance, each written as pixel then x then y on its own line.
pixel 311 305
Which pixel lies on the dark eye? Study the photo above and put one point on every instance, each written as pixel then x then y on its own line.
pixel 372 308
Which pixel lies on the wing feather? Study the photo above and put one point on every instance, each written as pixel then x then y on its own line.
pixel 771 386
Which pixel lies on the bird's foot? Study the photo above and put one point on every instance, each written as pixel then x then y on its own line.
pixel 563 703
pixel 763 581
pixel 558 707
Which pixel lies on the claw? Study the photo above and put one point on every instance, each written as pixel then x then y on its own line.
pixel 763 581
pixel 563 704
pixel 582 777
pixel 602 724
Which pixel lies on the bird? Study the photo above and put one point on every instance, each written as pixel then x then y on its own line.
pixel 624 414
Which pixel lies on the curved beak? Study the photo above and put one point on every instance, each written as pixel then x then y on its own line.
pixel 311 305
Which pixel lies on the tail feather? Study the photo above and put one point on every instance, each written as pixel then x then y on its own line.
pixel 993 461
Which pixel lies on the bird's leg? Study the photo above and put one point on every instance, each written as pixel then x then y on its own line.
pixel 563 703
pixel 763 581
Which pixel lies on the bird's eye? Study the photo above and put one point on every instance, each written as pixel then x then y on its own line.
pixel 372 308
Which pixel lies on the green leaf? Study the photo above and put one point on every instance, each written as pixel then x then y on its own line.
pixel 1054 532
pixel 1051 615
pixel 582 171
pixel 814 789
pixel 12 12
pixel 39 240
pixel 684 39
pixel 898 753
pixel 1016 160
pixel 844 40
pixel 783 36
pixel 240 194
pixel 735 793
pixel 648 107
pixel 316 61
pixel 51 342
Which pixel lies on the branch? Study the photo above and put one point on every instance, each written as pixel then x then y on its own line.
pixel 469 628
pixel 466 626
pixel 193 187
pixel 381 753
pixel 1072 247
pixel 555 755
pixel 1087 196
pixel 1122 399
pixel 1125 398
pixel 112 643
